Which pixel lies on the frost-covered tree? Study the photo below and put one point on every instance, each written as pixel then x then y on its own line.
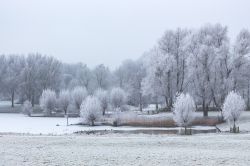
pixel 206 48
pixel 232 108
pixel 14 66
pixel 27 108
pixel 91 110
pixel 184 108
pixel 64 100
pixel 118 98
pixel 153 83
pixel 159 79
pixel 101 75
pixel 48 101
pixel 240 57
pixel 174 44
pixel 39 73
pixel 84 76
pixel 103 97
pixel 78 95
pixel 129 76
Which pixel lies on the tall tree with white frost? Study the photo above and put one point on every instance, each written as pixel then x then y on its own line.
pixel 206 47
pixel 184 108
pixel 48 101
pixel 101 74
pixel 12 75
pixel 84 76
pixel 118 98
pixel 103 97
pixel 39 73
pixel 232 108
pixel 78 95
pixel 91 110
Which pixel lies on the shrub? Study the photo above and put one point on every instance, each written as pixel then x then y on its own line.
pixel 233 106
pixel 91 110
pixel 102 95
pixel 48 101
pixel 78 95
pixel 27 108
pixel 64 100
pixel 184 108
pixel 118 98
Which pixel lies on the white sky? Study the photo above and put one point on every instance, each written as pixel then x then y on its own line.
pixel 107 31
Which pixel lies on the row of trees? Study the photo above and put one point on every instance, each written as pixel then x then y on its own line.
pixel 24 78
pixel 50 101
pixel 89 107
pixel 202 62
pixel 184 108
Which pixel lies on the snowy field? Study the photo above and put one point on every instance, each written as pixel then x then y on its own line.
pixel 58 146
pixel 203 149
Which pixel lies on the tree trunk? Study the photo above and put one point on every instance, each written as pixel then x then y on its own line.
pixel 156 107
pixel 67 118
pixel 92 123
pixel 140 102
pixel 12 98
pixel 33 101
pixel 204 109
pixel 166 100
pixel 234 128
pixel 248 100
pixel 103 112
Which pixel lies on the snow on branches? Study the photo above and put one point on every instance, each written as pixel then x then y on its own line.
pixel 233 106
pixel 91 110
pixel 78 95
pixel 184 108
pixel 48 101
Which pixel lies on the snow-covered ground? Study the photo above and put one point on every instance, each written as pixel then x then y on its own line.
pixel 113 149
pixel 19 123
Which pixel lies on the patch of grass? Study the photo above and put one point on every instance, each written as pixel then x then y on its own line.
pixel 147 121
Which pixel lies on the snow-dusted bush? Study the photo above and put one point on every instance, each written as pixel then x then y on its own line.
pixel 48 101
pixel 103 97
pixel 91 110
pixel 184 108
pixel 233 106
pixel 27 108
pixel 64 100
pixel 118 98
pixel 78 96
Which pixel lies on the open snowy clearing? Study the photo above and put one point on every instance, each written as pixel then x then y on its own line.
pixel 209 149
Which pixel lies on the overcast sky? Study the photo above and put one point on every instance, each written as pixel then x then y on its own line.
pixel 107 31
